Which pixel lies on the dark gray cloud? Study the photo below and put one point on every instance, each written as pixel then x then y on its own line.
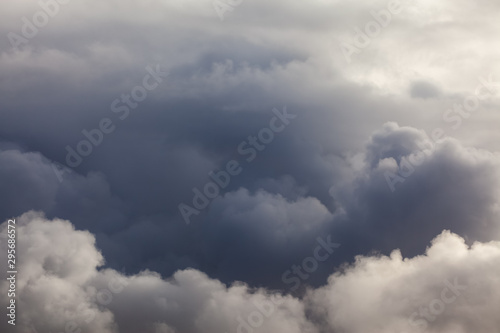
pixel 254 234
pixel 355 163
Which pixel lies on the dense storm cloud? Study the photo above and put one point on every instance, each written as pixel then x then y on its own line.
pixel 221 153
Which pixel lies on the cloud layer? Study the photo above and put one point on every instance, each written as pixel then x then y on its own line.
pixel 403 189
pixel 384 148
pixel 451 288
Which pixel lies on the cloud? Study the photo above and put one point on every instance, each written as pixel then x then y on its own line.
pixel 363 162
pixel 423 89
pixel 452 288
pixel 442 185
pixel 57 263
pixel 88 198
pixel 225 78
pixel 450 186
pixel 61 287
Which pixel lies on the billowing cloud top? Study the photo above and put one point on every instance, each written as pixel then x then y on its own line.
pixel 451 288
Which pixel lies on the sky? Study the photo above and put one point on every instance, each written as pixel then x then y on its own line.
pixel 185 166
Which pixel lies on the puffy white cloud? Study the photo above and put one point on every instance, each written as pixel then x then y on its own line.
pixel 451 288
pixel 54 264
pixel 60 288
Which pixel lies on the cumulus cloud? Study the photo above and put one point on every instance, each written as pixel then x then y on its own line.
pixel 57 263
pixel 399 192
pixel 414 183
pixel 61 286
pixel 363 162
pixel 451 288
pixel 89 198
pixel 409 187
